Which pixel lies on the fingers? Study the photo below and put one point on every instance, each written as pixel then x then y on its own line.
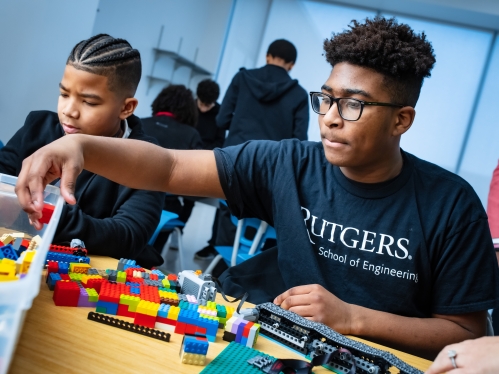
pixel 68 182
pixel 442 363
pixel 300 290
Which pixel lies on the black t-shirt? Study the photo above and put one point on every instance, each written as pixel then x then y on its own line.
pixel 415 245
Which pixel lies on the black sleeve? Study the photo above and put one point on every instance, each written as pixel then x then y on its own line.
pixel 246 174
pixel 124 234
pixel 301 119
pixel 224 117
pixel 465 272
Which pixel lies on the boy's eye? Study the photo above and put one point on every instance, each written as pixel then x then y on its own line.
pixel 91 104
pixel 64 94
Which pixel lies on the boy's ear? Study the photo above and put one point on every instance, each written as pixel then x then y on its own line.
pixel 404 120
pixel 128 107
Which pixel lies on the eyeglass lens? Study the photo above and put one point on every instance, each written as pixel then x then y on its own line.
pixel 349 108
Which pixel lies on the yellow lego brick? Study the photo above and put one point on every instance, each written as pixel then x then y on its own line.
pixel 7 270
pixel 148 308
pixel 77 267
pixel 27 259
pixel 131 301
pixel 86 277
pixel 173 312
pixel 7 239
pixel 193 359
pixel 198 272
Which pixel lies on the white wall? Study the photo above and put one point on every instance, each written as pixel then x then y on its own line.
pixel 37 37
pixel 200 24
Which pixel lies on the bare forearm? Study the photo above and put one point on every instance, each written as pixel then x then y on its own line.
pixel 423 337
pixel 141 165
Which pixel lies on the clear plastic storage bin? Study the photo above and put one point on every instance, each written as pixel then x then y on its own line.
pixel 17 296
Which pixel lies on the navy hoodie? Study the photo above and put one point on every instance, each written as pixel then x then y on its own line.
pixel 264 104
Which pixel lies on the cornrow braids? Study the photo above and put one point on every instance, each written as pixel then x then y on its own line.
pixel 111 57
pixel 392 49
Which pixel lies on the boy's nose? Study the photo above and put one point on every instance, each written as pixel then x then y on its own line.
pixel 70 110
pixel 332 117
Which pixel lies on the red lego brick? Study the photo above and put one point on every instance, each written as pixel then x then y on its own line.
pixel 66 293
pixel 53 267
pixel 153 277
pixel 201 330
pixel 47 212
pixel 144 320
pixel 123 311
pixel 247 329
pixel 111 292
pixel 180 328
pixel 95 283
pixel 190 329
pixel 166 320
pixel 24 243
pixel 65 277
pixel 172 277
pixel 64 249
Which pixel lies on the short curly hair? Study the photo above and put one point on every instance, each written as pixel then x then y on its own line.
pixel 208 91
pixel 178 100
pixel 390 48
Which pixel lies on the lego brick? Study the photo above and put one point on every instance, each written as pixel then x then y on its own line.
pixel 152 333
pixel 195 344
pixel 9 252
pixel 47 212
pixel 234 359
pixel 144 320
pixel 107 307
pixel 77 267
pixel 52 278
pixel 66 293
pixel 8 270
pixel 193 359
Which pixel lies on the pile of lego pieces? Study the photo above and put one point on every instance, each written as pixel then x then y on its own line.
pixel 16 255
pixel 152 299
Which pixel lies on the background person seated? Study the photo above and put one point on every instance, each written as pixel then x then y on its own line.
pixel 175 115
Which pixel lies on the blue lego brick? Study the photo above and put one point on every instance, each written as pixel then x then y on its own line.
pixel 110 308
pixel 63 267
pixel 195 345
pixel 51 279
pixel 124 264
pixel 9 252
pixel 159 273
pixel 135 290
pixel 163 310
pixel 64 257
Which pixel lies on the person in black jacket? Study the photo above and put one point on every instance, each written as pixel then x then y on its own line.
pixel 173 125
pixel 265 103
pixel 260 104
pixel 207 94
pixel 96 98
pixel 174 119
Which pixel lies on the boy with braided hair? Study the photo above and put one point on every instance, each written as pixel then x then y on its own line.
pixel 372 241
pixel 96 98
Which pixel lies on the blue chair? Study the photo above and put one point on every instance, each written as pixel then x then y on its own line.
pixel 243 248
pixel 170 221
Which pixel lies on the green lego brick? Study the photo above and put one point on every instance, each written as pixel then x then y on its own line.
pixel 233 359
pixel 100 310
pixel 93 296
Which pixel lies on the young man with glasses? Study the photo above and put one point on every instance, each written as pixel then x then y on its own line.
pixel 372 241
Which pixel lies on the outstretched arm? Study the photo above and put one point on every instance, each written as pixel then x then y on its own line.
pixel 132 163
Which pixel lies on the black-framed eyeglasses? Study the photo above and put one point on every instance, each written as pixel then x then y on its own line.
pixel 350 109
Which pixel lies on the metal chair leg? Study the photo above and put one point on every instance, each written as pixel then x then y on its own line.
pixel 212 264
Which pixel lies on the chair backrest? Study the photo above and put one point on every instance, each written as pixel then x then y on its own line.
pixel 250 247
